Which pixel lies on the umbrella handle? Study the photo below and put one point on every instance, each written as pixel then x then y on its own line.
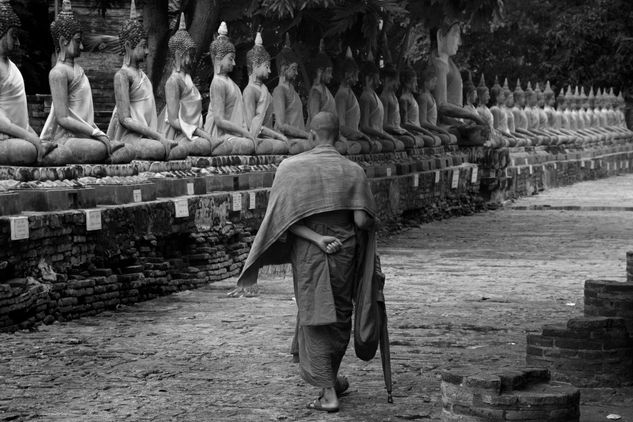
pixel 389 397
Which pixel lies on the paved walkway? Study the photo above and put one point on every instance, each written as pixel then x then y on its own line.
pixel 463 291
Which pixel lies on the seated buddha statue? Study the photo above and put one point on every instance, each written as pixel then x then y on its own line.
pixel 181 119
pixel 500 117
pixel 483 97
pixel 320 98
pixel 554 123
pixel 587 119
pixel 506 107
pixel 134 118
pixel 410 110
pixel 616 119
pixel 286 103
pixel 520 114
pixel 19 144
pixel 258 101
pixel 348 108
pixel 70 123
pixel 372 112
pixel 389 99
pixel 428 106
pixel 620 107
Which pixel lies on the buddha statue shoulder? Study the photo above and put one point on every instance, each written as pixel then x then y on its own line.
pixel 70 123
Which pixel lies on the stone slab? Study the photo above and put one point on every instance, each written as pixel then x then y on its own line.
pixel 56 199
pixel 9 203
pixel 169 187
pixel 124 194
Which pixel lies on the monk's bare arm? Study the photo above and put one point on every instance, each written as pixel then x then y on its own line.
pixel 363 220
pixel 58 80
pixel 122 84
pixel 217 99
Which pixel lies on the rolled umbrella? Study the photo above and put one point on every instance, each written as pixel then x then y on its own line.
pixel 385 353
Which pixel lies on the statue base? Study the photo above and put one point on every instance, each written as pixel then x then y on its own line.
pixel 56 199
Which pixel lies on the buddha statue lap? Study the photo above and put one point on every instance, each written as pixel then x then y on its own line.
pixel 19 144
pixel 391 122
pixel 428 107
pixel 321 99
pixel 410 110
pixel 348 108
pixel 181 119
pixel 286 103
pixel 70 123
pixel 134 118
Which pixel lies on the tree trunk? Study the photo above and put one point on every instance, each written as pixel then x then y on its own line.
pixel 204 23
pixel 157 25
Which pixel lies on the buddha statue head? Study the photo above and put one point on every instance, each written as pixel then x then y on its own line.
pixel 428 76
pixel 540 97
pixel 287 61
pixel 409 79
pixel 483 93
pixel 369 72
pixel 577 101
pixel 548 95
pixel 612 100
pixel 349 68
pixel 569 99
pixel 222 51
pixel 507 93
pixel 530 96
pixel 9 23
pixel 133 38
pixel 470 92
pixel 258 60
pixel 182 47
pixel 391 77
pixel 620 102
pixel 519 94
pixel 497 93
pixel 66 33
pixel 584 100
pixel 591 98
pixel 322 65
pixel 448 38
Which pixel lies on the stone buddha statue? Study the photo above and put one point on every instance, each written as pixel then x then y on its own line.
pixel 389 99
pixel 483 97
pixel 226 118
pixel 500 117
pixel 287 105
pixel 258 101
pixel 19 144
pixel 372 112
pixel 554 123
pixel 507 107
pixel 181 119
pixel 134 119
pixel 521 116
pixel 70 123
pixel 321 99
pixel 620 112
pixel 428 106
pixel 348 108
pixel 410 110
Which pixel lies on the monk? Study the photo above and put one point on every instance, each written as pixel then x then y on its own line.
pixel 70 123
pixel 181 120
pixel 410 110
pixel 348 107
pixel 323 231
pixel 19 144
pixel 287 105
pixel 320 98
pixel 428 106
pixel 389 99
pixel 258 101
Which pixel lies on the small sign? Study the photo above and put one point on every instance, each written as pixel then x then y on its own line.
pixel 252 201
pixel 518 170
pixel 473 175
pixel 455 181
pixel 608 165
pixel 593 165
pixel 582 163
pixel 93 220
pixel 182 208
pixel 555 166
pixel 626 164
pixel 136 195
pixel 237 201
pixel 506 172
pixel 437 176
pixel 531 170
pixel 513 162
pixel 19 228
pixel 526 161
pixel 416 180
pixel 388 171
pixel 189 188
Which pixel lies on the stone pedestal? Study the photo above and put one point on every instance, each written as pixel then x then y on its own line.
pixel 125 194
pixel 610 299
pixel 9 203
pixel 56 199
pixel 471 395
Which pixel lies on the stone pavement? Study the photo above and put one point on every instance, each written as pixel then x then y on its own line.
pixel 463 291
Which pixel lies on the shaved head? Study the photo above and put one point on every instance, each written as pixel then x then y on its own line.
pixel 325 127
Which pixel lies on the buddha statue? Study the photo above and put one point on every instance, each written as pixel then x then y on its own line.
pixel 226 117
pixel 70 123
pixel 348 108
pixel 321 99
pixel 554 123
pixel 410 110
pixel 472 133
pixel 620 113
pixel 483 97
pixel 521 116
pixel 257 100
pixel 181 119
pixel 506 107
pixel 500 117
pixel 389 99
pixel 19 144
pixel 428 107
pixel 287 105
pixel 372 113
pixel 134 118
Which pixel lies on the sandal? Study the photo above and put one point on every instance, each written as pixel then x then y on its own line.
pixel 316 405
pixel 341 386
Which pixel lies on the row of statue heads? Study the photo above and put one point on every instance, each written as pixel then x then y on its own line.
pixel 237 122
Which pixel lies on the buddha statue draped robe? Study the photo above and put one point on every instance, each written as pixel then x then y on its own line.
pixel 287 102
pixel 263 117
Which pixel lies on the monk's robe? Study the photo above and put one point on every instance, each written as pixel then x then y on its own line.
pixel 224 90
pixel 288 108
pixel 412 117
pixel 15 151
pixel 263 116
pixel 80 107
pixel 392 120
pixel 321 99
pixel 143 110
pixel 430 113
pixel 376 119
pixel 189 117
pixel 323 283
pixel 348 111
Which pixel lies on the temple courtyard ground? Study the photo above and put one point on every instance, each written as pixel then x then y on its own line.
pixel 463 291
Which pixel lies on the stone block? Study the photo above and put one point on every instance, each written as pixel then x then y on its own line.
pixel 55 199
pixel 9 203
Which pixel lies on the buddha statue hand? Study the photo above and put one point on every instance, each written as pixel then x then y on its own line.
pixel 103 138
pixel 168 145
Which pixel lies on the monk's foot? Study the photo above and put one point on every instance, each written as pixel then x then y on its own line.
pixel 326 402
pixel 45 149
pixel 250 291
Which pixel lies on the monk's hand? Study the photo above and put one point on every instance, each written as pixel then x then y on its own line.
pixel 329 244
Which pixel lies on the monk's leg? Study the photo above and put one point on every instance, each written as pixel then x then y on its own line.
pixel 86 151
pixel 17 152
